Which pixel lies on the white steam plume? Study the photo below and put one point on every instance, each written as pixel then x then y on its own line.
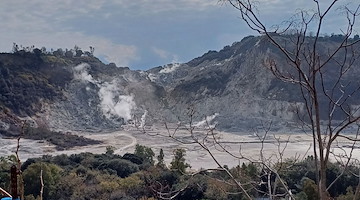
pixel 81 73
pixel 207 122
pixel 143 119
pixel 112 103
pixel 170 68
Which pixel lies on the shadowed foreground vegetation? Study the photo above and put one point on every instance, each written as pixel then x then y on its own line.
pixel 138 176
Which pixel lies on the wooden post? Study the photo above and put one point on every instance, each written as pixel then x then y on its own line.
pixel 13 182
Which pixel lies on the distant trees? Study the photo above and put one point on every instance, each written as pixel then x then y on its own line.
pixel 178 163
pixel 15 48
pixel 123 168
pixel 356 37
pixel 51 177
pixel 145 153
pixel 160 159
pixel 37 52
pixel 92 50
pixel 69 53
pixel 110 150
pixel 59 52
pixel 78 51
pixel 5 164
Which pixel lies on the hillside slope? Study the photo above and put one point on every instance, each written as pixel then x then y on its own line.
pixel 71 92
pixel 237 84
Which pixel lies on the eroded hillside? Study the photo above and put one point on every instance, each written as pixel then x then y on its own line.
pixel 66 91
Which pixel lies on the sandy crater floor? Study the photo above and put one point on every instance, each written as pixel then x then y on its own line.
pixel 157 137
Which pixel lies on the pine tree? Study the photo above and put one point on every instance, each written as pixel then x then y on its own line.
pixel 178 163
pixel 160 159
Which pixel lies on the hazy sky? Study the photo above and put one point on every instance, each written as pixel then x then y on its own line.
pixel 139 33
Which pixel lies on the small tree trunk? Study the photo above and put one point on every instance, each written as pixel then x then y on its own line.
pixel 42 185
pixel 323 194
pixel 269 185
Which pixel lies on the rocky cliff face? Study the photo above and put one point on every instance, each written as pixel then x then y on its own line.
pixel 237 84
pixel 234 86
pixel 234 83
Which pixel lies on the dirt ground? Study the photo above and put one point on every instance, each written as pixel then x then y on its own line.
pixel 275 147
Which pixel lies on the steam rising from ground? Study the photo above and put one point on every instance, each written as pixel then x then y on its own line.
pixel 112 101
pixel 114 104
pixel 207 122
pixel 81 73
pixel 143 119
pixel 169 69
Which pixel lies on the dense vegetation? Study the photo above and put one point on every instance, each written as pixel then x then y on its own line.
pixel 24 82
pixel 30 76
pixel 138 176
pixel 60 140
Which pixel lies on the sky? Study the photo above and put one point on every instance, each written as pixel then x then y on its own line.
pixel 140 34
